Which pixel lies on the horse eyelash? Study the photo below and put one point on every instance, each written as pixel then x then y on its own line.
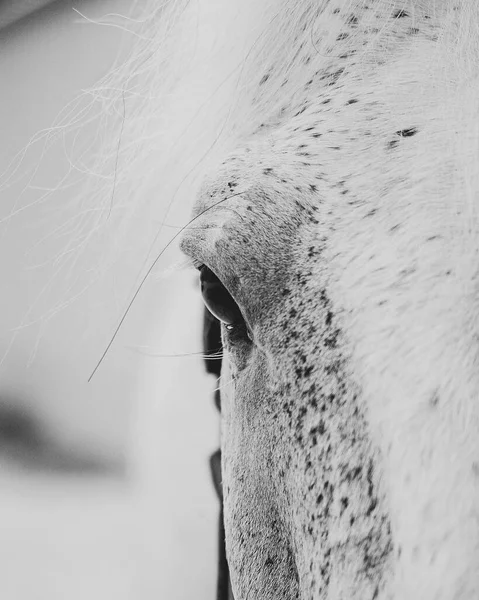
pixel 145 351
pixel 196 264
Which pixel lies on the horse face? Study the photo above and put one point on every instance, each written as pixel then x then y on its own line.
pixel 299 471
pixel 342 235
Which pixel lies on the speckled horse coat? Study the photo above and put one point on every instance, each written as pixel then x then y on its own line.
pixel 343 225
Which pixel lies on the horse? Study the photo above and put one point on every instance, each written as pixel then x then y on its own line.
pixel 331 147
pixel 336 240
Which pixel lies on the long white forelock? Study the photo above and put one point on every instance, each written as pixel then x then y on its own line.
pixel 105 213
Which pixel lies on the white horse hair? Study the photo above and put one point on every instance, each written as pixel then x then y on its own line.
pixel 338 146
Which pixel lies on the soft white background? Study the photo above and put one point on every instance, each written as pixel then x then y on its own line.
pixel 147 529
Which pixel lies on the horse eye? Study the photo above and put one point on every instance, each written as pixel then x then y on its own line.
pixel 218 300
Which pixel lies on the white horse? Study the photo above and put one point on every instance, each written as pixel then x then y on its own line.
pixel 337 242
pixel 336 234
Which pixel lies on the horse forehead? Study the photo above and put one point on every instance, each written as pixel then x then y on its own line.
pixel 335 127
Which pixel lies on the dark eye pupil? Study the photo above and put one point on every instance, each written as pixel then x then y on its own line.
pixel 217 298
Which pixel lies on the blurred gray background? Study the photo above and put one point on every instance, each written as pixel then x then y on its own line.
pixel 105 491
